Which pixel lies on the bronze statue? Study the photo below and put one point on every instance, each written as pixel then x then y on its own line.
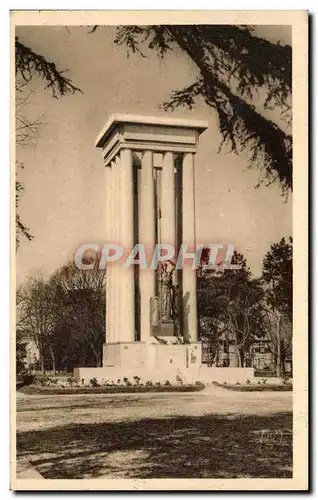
pixel 166 290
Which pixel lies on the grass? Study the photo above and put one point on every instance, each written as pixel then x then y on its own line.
pixel 256 387
pixel 37 389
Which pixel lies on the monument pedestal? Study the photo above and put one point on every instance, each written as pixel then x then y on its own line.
pixel 150 361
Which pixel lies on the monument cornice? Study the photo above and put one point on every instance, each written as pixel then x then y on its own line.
pixel 156 123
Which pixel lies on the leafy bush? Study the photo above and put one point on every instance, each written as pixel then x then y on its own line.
pixel 94 382
pixel 264 381
pixel 137 380
pixel 127 382
pixel 167 382
pixel 285 379
pixel 71 381
pixel 28 379
pixel 43 380
pixel 199 385
pixel 247 381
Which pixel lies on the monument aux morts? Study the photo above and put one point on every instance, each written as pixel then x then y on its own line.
pixel 151 315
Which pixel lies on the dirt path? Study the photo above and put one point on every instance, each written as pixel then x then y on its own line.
pixel 42 412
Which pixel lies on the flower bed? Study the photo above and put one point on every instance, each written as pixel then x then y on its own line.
pixel 256 387
pixel 38 389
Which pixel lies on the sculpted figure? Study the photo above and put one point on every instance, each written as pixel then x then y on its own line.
pixel 166 290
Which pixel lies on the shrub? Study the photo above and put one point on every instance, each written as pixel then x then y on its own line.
pixel 158 384
pixel 167 382
pixel 28 379
pixel 199 385
pixel 94 382
pixel 119 381
pixel 285 379
pixel 71 381
pixel 149 383
pixel 248 381
pixel 264 381
pixel 127 382
pixel 137 380
pixel 237 383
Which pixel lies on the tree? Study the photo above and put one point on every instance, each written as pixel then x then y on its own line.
pixel 29 64
pixel 230 304
pixel 80 295
pixel 277 277
pixel 234 66
pixel 20 352
pixel 39 316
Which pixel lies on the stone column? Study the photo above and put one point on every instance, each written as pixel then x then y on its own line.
pixel 109 237
pixel 190 324
pixel 167 204
pixel 116 337
pixel 112 271
pixel 126 295
pixel 147 238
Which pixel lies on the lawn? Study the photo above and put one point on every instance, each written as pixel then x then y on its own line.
pixel 157 436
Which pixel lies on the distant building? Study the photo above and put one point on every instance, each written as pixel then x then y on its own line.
pixel 260 355
pixel 31 360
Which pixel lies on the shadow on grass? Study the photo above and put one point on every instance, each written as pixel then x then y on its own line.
pixel 209 446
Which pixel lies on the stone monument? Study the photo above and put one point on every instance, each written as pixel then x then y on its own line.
pixel 151 317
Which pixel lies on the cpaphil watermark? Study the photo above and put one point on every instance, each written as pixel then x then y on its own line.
pixel 209 256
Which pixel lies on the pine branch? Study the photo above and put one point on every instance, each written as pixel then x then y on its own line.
pixel 28 63
pixel 233 66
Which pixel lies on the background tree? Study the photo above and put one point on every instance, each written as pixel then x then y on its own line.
pixel 81 296
pixel 39 317
pixel 277 277
pixel 229 305
pixel 234 67
pixel 30 65
pixel 20 352
pixel 65 316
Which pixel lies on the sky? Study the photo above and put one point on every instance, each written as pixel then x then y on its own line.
pixel 63 203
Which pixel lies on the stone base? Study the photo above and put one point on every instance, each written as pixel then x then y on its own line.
pixel 125 355
pixel 153 361
pixel 156 362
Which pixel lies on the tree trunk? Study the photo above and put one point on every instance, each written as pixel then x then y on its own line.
pixel 239 359
pixel 53 359
pixel 42 368
pixel 278 357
